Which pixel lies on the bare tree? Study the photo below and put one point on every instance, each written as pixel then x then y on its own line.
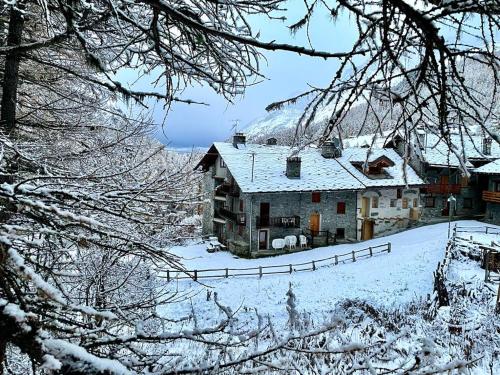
pixel 413 71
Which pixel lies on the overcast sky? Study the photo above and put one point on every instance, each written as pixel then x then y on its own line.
pixel 287 74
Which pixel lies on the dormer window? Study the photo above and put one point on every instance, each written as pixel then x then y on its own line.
pixel 487 146
pixel 376 168
pixel 222 164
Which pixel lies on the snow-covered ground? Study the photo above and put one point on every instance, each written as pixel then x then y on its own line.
pixel 387 280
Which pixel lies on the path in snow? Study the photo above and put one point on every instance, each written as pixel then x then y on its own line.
pixel 385 280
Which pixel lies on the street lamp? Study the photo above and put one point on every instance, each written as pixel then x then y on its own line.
pixel 451 200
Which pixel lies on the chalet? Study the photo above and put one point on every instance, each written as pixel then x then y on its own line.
pixel 443 171
pixel 257 193
pixel 491 195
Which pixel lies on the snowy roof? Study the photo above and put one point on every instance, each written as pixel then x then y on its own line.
pixel 436 151
pixel 317 173
pixel 490 168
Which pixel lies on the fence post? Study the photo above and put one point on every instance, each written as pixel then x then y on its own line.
pixel 195 275
pixel 388 247
pixel 290 268
pixel 486 230
pixel 260 272
pixel 314 265
pixel 168 275
pixel 227 273
pixel 353 256
pixel 371 252
pixel 336 259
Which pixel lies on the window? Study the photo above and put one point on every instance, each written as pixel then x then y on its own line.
pixel 405 202
pixel 221 163
pixel 399 193
pixel 467 202
pixel 340 233
pixel 341 208
pixel 430 202
pixel 229 227
pixel 241 205
pixel 374 202
pixel 415 202
pixel 394 202
pixel 316 197
pixel 496 185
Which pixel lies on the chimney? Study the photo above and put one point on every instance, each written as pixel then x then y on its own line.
pixel 239 139
pixel 331 149
pixel 271 142
pixel 293 167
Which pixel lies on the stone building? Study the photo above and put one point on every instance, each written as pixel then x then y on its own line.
pixel 443 171
pixel 491 195
pixel 257 193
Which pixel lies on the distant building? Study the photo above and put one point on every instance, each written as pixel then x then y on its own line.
pixel 491 195
pixel 443 171
pixel 257 193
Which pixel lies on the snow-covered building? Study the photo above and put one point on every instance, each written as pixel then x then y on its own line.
pixel 442 164
pixel 491 195
pixel 257 193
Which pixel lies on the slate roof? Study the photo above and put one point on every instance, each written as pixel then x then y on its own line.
pixel 490 168
pixel 317 173
pixel 468 148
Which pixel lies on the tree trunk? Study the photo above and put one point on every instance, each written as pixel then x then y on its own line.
pixel 11 72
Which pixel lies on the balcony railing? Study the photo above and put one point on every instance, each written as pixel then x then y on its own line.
pixel 278 221
pixel 443 188
pixel 238 218
pixel 227 189
pixel 491 196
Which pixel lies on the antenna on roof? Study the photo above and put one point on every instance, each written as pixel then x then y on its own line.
pixel 236 123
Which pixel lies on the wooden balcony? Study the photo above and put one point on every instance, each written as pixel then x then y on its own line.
pixel 227 189
pixel 442 188
pixel 491 196
pixel 278 221
pixel 238 218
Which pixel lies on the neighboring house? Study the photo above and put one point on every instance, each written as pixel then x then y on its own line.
pixel 491 195
pixel 443 171
pixel 257 193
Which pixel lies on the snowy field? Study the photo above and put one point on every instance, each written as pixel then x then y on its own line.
pixel 387 280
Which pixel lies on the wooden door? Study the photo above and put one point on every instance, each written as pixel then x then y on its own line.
pixel 365 207
pixel 314 223
pixel 444 180
pixel 263 234
pixel 264 214
pixel 446 207
pixel 367 230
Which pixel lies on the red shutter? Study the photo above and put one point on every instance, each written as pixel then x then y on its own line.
pixel 341 207
pixel 316 197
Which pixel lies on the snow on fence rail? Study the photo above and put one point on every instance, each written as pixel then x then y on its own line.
pixel 312 265
pixel 476 229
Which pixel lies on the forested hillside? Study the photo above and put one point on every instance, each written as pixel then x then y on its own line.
pixel 375 116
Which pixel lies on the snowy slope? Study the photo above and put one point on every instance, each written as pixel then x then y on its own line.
pixel 389 280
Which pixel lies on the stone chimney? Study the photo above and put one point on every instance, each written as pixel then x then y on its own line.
pixel 239 139
pixel 331 149
pixel 293 167
pixel 271 142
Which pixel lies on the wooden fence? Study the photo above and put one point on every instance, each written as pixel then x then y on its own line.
pixel 476 229
pixel 260 271
pixel 440 296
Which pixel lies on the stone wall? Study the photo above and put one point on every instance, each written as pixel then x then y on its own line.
pixel 208 202
pixel 289 204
